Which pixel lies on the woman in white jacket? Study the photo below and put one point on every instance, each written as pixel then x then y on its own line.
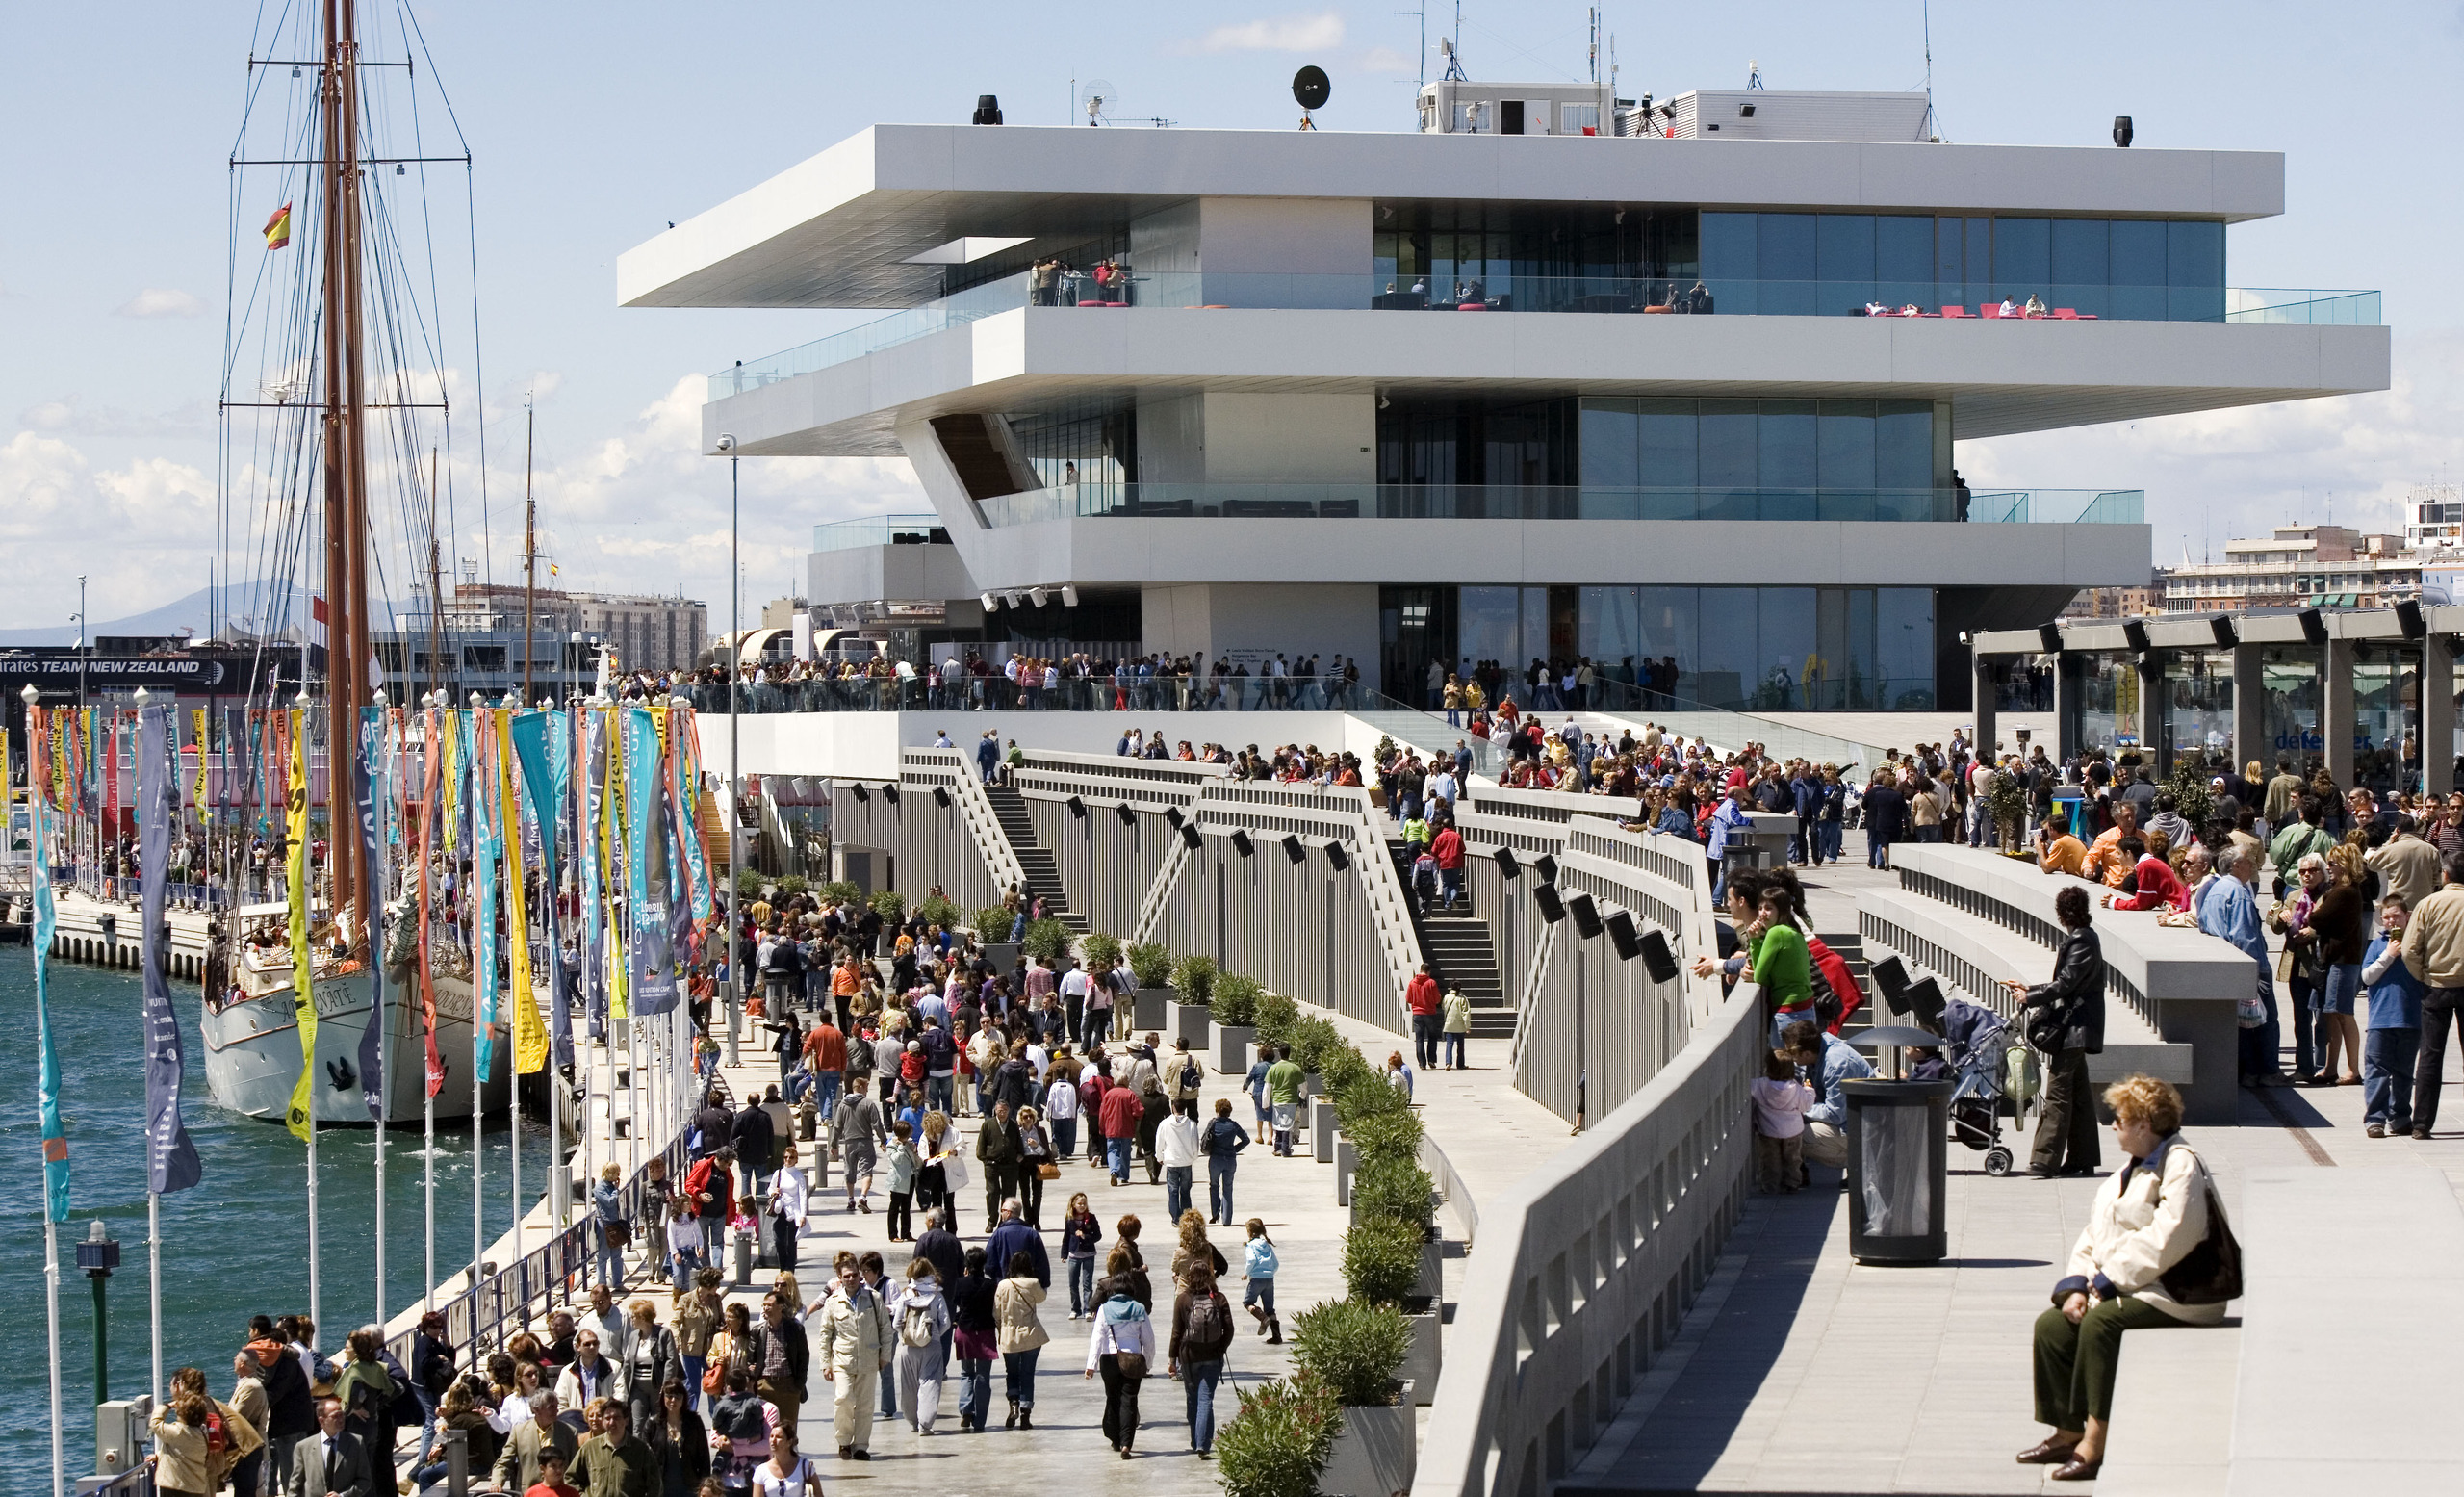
pixel 2147 1218
pixel 1121 1348
pixel 790 1204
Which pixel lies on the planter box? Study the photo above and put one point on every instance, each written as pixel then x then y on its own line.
pixel 1422 1362
pixel 1002 954
pixel 1313 1085
pixel 1232 1049
pixel 1372 1455
pixel 1147 1009
pixel 1322 1131
pixel 1428 1218
pixel 1187 1021
pixel 1431 1284
pixel 1347 1160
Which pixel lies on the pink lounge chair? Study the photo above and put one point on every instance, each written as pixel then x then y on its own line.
pixel 2066 314
pixel 1989 309
pixel 1473 306
pixel 1956 312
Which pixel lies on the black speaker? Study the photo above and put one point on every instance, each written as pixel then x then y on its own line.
pixel 1620 932
pixel 2408 618
pixel 1658 959
pixel 890 793
pixel 2135 633
pixel 2313 627
pixel 2049 638
pixel 1891 980
pixel 1077 808
pixel 1506 864
pixel 1925 1003
pixel 1293 849
pixel 2227 633
pixel 941 796
pixel 1547 867
pixel 1240 842
pixel 1128 814
pixel 863 797
pixel 1188 834
pixel 1173 814
pixel 1335 858
pixel 2122 133
pixel 1586 915
pixel 1550 909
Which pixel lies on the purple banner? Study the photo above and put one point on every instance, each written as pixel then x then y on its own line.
pixel 172 1163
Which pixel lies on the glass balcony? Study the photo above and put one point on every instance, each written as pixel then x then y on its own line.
pixel 1511 502
pixel 906 529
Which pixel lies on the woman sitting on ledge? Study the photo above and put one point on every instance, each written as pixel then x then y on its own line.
pixel 2148 1217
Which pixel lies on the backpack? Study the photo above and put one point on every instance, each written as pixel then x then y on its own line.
pixel 217 1436
pixel 915 1327
pixel 1208 1324
pixel 1193 1076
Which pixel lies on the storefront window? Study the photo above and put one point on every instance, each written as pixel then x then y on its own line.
pixel 2198 709
pixel 2386 709
pixel 2289 675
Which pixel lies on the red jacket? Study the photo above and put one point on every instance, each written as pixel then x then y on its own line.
pixel 708 1178
pixel 1448 849
pixel 1420 994
pixel 1120 1113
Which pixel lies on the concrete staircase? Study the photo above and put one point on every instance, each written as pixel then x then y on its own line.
pixel 1459 944
pixel 1043 872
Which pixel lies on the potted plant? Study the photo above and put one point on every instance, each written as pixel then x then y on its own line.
pixel 1396 1189
pixel 1233 1007
pixel 2006 806
pixel 837 891
pixel 1382 1264
pixel 1046 941
pixel 1278 1014
pixel 1355 1348
pixel 1277 1441
pixel 993 925
pixel 890 905
pixel 1343 1066
pixel 1152 966
pixel 934 910
pixel 793 884
pixel 1101 951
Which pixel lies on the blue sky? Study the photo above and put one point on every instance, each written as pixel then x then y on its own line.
pixel 594 125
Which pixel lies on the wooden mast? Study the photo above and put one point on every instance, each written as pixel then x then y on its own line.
pixel 345 457
pixel 530 548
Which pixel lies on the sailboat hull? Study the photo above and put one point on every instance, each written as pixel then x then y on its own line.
pixel 252 1055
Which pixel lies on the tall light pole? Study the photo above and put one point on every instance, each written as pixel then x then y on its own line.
pixel 736 763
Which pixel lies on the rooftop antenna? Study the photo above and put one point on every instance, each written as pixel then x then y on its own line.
pixel 1311 91
pixel 1752 74
pixel 1933 124
pixel 1452 47
pixel 1595 44
pixel 1100 92
pixel 1422 15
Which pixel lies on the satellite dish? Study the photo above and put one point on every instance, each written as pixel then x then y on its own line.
pixel 1310 87
pixel 1099 99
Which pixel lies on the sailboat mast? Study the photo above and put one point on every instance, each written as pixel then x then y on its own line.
pixel 529 551
pixel 345 457
pixel 435 598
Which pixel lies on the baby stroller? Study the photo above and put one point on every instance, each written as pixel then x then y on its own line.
pixel 1980 1047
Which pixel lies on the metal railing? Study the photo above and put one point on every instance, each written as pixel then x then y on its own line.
pixel 1364 501
pixel 878 530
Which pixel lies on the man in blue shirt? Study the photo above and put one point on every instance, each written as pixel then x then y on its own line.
pixel 2227 907
pixel 1828 1063
pixel 1730 817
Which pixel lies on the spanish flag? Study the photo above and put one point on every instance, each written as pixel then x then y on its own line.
pixel 278 228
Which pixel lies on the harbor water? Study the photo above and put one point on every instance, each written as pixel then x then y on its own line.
pixel 234 1247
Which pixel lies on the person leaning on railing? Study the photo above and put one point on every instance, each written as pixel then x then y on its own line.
pixel 2127 1273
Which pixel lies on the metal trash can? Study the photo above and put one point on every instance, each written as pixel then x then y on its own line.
pixel 1898 1162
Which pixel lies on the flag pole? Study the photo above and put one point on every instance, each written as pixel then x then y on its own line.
pixel 51 1294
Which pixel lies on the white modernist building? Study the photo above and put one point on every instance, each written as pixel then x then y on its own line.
pixel 1466 395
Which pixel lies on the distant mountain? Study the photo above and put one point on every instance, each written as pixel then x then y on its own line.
pixel 190 615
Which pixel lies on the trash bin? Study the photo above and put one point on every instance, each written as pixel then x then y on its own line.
pixel 1898 1141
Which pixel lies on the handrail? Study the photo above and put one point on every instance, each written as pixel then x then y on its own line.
pixel 1587 1264
pixel 975 808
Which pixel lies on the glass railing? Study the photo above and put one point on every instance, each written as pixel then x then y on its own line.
pixel 1678 297
pixel 1732 695
pixel 910 530
pixel 1522 502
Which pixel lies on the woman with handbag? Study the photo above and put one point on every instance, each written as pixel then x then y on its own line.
pixel 1120 1348
pixel 615 1234
pixel 1038 1162
pixel 2156 1251
pixel 2064 1017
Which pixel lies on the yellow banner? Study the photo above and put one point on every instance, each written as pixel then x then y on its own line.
pixel 530 1033
pixel 196 716
pixel 303 987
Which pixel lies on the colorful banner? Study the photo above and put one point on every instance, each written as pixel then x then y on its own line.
pixel 561 940
pixel 303 983
pixel 172 1163
pixel 530 1035
pixel 654 952
pixel 432 757
pixel 369 787
pixel 592 850
pixel 486 848
pixel 54 1138
pixel 199 724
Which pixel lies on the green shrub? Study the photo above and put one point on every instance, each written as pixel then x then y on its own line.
pixel 1234 1001
pixel 1278 1441
pixel 839 891
pixel 1355 1348
pixel 1343 1068
pixel 889 904
pixel 748 885
pixel 1382 1260
pixel 1393 1190
pixel 1102 951
pixel 1193 977
pixel 1391 1135
pixel 1151 965
pixel 793 884
pixel 1314 1042
pixel 993 924
pixel 1276 1015
pixel 1368 1095
pixel 934 910
pixel 1047 941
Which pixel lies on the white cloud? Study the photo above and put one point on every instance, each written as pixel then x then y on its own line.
pixel 1277 34
pixel 1390 63
pixel 141 533
pixel 68 416
pixel 159 301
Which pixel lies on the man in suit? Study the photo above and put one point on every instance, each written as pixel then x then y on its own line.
pixel 517 1467
pixel 331 1463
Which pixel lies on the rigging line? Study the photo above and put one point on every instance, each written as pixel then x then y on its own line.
pixel 479 360
pixel 250 88
pixel 413 31
pixel 436 298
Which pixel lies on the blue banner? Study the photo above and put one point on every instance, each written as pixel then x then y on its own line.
pixel 653 945
pixel 171 1159
pixel 54 1138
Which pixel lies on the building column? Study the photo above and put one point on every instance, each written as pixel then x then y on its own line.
pixel 2154 752
pixel 2336 722
pixel 2065 707
pixel 2438 715
pixel 2251 711
pixel 1987 706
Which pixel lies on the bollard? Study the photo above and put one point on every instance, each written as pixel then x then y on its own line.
pixel 457 1463
pixel 743 1258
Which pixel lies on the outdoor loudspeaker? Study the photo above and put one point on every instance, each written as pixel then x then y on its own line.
pixel 1128 816
pixel 1240 842
pixel 2408 618
pixel 1620 932
pixel 1077 808
pixel 1550 909
pixel 941 796
pixel 2049 636
pixel 1586 915
pixel 1293 849
pixel 1659 961
pixel 2122 132
pixel 890 793
pixel 2135 633
pixel 2313 627
pixel 1891 980
pixel 863 797
pixel 1188 834
pixel 2227 635
pixel 1173 814
pixel 1925 1002
pixel 1547 867
pixel 1506 864
pixel 1335 858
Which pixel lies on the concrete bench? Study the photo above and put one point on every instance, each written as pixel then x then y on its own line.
pixel 2173 1429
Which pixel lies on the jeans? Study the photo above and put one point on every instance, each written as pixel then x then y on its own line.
pixel 694 1367
pixel 1260 1293
pixel 611 1262
pixel 1118 1151
pixel 1177 1180
pixel 1099 1026
pixel 2308 1047
pixel 1082 1285
pixel 890 1390
pixel 825 1094
pixel 1826 841
pixel 1449 884
pixel 1198 1380
pixel 681 1266
pixel 975 1390
pixel 2438 1013
pixel 937 1094
pixel 2262 1053
pixel 1425 1030
pixel 2387 1058
pixel 1065 1137
pixel 1219 1170
pixel 1877 851
pixel 1019 1375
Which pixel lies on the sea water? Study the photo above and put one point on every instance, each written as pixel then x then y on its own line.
pixel 236 1246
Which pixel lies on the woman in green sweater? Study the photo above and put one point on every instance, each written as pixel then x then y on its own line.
pixel 1774 951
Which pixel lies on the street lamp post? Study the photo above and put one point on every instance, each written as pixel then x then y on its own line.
pixel 736 763
pixel 98 1255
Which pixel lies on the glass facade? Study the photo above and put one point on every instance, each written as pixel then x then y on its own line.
pixel 2290 676
pixel 2386 709
pixel 1769 454
pixel 2198 706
